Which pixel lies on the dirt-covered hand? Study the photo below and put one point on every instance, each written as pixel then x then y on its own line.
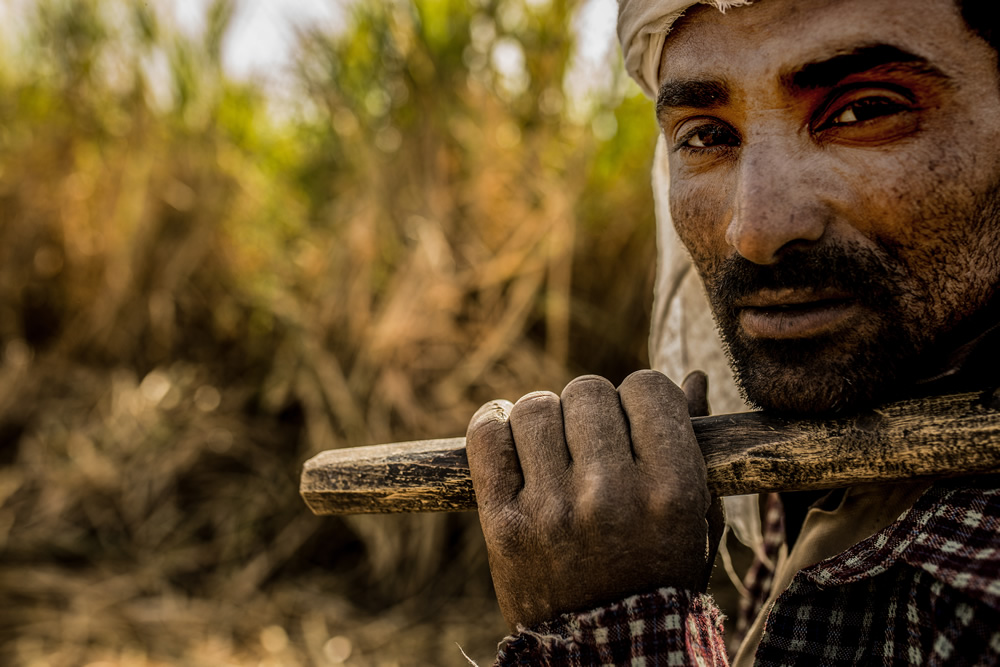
pixel 591 496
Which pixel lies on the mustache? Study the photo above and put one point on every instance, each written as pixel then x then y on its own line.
pixel 855 269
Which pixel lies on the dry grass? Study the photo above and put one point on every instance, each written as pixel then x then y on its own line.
pixel 194 298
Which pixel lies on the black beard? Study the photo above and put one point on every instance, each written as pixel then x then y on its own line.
pixel 842 372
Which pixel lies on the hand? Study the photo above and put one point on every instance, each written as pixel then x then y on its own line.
pixel 590 497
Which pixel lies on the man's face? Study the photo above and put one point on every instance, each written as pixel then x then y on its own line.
pixel 835 174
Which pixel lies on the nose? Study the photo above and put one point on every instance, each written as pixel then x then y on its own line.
pixel 776 203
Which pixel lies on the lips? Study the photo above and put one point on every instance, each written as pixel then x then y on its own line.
pixel 793 313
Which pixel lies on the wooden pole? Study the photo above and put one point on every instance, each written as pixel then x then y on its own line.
pixel 748 452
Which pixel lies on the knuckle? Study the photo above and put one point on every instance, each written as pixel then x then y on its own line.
pixel 495 487
pixel 592 510
pixel 652 381
pixel 691 501
pixel 555 520
pixel 488 420
pixel 662 503
pixel 505 529
pixel 553 516
pixel 587 385
pixel 601 498
pixel 590 378
pixel 536 404
pixel 645 375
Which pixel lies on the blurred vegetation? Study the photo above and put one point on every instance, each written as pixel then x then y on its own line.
pixel 198 292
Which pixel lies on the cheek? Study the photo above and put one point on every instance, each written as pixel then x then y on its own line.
pixel 935 215
pixel 884 190
pixel 700 216
pixel 921 209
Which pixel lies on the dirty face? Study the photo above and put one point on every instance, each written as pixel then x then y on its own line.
pixel 835 174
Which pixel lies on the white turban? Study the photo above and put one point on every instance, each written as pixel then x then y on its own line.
pixel 642 29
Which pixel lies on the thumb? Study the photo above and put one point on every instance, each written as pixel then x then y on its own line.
pixel 695 387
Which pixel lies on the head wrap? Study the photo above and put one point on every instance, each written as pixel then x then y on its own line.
pixel 642 29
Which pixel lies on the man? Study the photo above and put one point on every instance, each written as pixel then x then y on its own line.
pixel 834 173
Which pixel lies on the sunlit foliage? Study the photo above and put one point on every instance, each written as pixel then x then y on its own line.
pixel 199 290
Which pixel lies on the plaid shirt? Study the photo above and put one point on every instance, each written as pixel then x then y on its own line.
pixel 923 591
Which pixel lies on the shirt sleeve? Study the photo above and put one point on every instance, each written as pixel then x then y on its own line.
pixel 662 627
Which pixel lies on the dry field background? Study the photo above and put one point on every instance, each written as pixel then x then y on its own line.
pixel 198 293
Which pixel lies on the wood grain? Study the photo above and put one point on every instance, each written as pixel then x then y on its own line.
pixel 749 452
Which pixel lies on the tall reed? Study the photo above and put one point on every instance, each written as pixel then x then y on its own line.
pixel 196 294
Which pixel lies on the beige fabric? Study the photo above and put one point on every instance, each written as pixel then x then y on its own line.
pixel 642 29
pixel 862 512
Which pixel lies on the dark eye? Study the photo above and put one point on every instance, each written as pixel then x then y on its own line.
pixel 707 136
pixel 864 109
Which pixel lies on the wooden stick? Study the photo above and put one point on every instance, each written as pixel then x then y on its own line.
pixel 748 452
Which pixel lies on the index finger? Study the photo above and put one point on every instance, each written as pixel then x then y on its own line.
pixel 662 435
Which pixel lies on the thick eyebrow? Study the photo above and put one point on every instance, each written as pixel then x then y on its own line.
pixel 700 94
pixel 829 72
